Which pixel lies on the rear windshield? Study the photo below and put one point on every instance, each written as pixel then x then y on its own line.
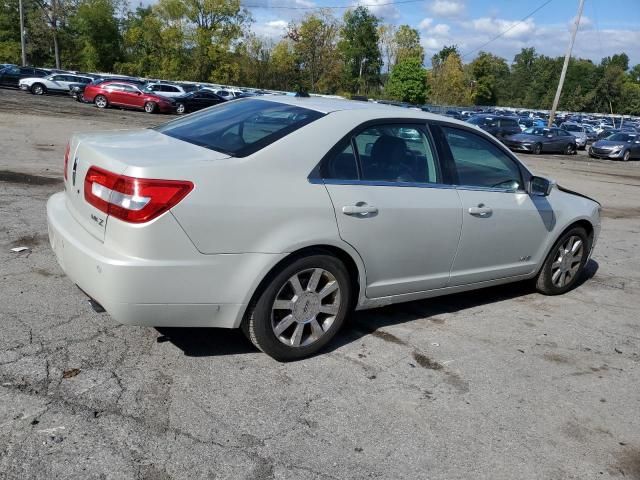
pixel 571 128
pixel 240 127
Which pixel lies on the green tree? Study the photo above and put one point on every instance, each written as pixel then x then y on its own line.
pixel 407 40
pixel 439 58
pixel 490 76
pixel 388 46
pixel 9 32
pixel 359 48
pixel 284 68
pixel 98 35
pixel 407 81
pixel 448 82
pixel 314 45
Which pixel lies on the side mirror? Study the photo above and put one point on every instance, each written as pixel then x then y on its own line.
pixel 540 186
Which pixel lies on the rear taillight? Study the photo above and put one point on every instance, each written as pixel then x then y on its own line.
pixel 133 200
pixel 66 160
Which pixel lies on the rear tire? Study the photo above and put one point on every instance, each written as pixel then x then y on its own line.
pixel 150 107
pixel 570 149
pixel 301 308
pixel 38 89
pixel 101 101
pixel 565 263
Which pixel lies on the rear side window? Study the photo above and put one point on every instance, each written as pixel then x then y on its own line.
pixel 394 153
pixel 240 128
pixel 480 163
pixel 508 122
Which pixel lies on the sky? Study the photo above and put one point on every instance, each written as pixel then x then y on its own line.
pixel 607 26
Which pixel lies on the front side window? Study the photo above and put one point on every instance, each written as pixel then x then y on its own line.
pixel 240 128
pixel 481 163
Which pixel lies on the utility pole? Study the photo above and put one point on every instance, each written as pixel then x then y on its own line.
pixel 24 52
pixel 566 63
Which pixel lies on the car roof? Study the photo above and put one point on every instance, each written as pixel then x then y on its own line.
pixel 328 105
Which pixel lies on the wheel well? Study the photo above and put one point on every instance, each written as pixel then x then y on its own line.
pixel 584 224
pixel 337 252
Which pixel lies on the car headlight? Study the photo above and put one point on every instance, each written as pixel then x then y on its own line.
pixel 618 147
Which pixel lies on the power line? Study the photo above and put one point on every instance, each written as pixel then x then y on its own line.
pixel 334 7
pixel 544 4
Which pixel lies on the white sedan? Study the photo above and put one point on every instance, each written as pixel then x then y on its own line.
pixel 57 82
pixel 279 215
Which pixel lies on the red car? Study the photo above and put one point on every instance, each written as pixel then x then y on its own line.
pixel 123 94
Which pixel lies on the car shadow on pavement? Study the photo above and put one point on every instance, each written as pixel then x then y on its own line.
pixel 368 322
pixel 204 342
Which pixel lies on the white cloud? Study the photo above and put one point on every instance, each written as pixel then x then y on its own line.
pixel 585 23
pixel 495 26
pixel 447 8
pixel 440 30
pixel 281 3
pixel 274 29
pixel 425 23
pixel 381 8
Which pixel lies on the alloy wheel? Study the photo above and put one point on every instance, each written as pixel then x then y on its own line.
pixel 38 90
pixel 567 261
pixel 180 108
pixel 101 102
pixel 305 307
pixel 626 156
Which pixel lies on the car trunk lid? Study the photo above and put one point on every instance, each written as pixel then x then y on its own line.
pixel 120 152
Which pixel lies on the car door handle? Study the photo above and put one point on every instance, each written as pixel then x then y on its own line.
pixel 359 209
pixel 480 211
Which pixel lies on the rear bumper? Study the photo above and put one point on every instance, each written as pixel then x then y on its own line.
pixel 193 290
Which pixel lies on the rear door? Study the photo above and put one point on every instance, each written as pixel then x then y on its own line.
pixel 503 228
pixel 393 207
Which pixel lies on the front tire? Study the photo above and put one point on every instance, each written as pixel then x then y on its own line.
pixel 181 109
pixel 626 156
pixel 38 89
pixel 565 263
pixel 301 308
pixel 570 149
pixel 537 149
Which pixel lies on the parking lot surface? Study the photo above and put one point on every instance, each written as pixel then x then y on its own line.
pixel 501 383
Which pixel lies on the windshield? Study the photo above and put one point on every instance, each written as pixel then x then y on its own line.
pixel 240 128
pixel 538 131
pixel 621 137
pixel 476 120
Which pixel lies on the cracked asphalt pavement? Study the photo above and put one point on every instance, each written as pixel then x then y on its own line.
pixel 501 383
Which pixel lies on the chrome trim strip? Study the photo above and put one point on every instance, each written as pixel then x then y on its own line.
pixel 380 183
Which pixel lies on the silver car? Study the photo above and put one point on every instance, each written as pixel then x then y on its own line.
pixel 577 131
pixel 280 215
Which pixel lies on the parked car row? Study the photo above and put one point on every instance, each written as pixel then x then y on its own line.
pixel 118 91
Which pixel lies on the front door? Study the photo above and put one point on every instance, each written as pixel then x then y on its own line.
pixel 504 229
pixel 392 207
